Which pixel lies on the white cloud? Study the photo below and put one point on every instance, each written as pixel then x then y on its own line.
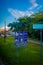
pixel 33 1
pixel 34 4
pixel 7 28
pixel 17 13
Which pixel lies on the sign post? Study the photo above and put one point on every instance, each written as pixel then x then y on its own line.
pixel 40 47
pixel 39 27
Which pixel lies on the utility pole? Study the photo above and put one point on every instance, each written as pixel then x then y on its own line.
pixel 5 29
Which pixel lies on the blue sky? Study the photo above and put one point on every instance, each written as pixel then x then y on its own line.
pixel 12 9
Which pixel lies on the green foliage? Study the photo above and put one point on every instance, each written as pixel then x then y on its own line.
pixel 26 24
pixel 36 19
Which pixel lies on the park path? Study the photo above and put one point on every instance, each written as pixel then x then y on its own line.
pixel 35 42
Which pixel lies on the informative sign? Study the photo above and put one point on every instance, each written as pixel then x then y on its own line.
pixel 37 26
pixel 21 39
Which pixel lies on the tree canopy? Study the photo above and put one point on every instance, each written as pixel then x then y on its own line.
pixel 26 24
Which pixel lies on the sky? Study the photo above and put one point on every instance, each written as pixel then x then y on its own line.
pixel 13 9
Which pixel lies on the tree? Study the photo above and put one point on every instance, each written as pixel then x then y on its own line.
pixel 26 24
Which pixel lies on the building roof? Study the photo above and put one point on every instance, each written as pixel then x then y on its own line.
pixel 4 30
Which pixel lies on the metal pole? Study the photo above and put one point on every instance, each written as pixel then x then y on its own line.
pixel 5 30
pixel 40 47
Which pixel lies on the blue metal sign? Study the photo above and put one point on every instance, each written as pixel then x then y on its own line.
pixel 21 38
pixel 37 26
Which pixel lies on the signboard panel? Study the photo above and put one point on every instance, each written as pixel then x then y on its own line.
pixel 37 26
pixel 21 38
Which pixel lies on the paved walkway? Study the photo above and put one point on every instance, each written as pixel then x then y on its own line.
pixel 35 42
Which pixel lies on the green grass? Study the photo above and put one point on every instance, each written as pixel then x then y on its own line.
pixel 25 55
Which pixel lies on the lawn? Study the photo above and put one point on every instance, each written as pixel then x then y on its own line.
pixel 25 55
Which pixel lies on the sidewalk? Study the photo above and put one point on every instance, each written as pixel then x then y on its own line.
pixel 35 42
